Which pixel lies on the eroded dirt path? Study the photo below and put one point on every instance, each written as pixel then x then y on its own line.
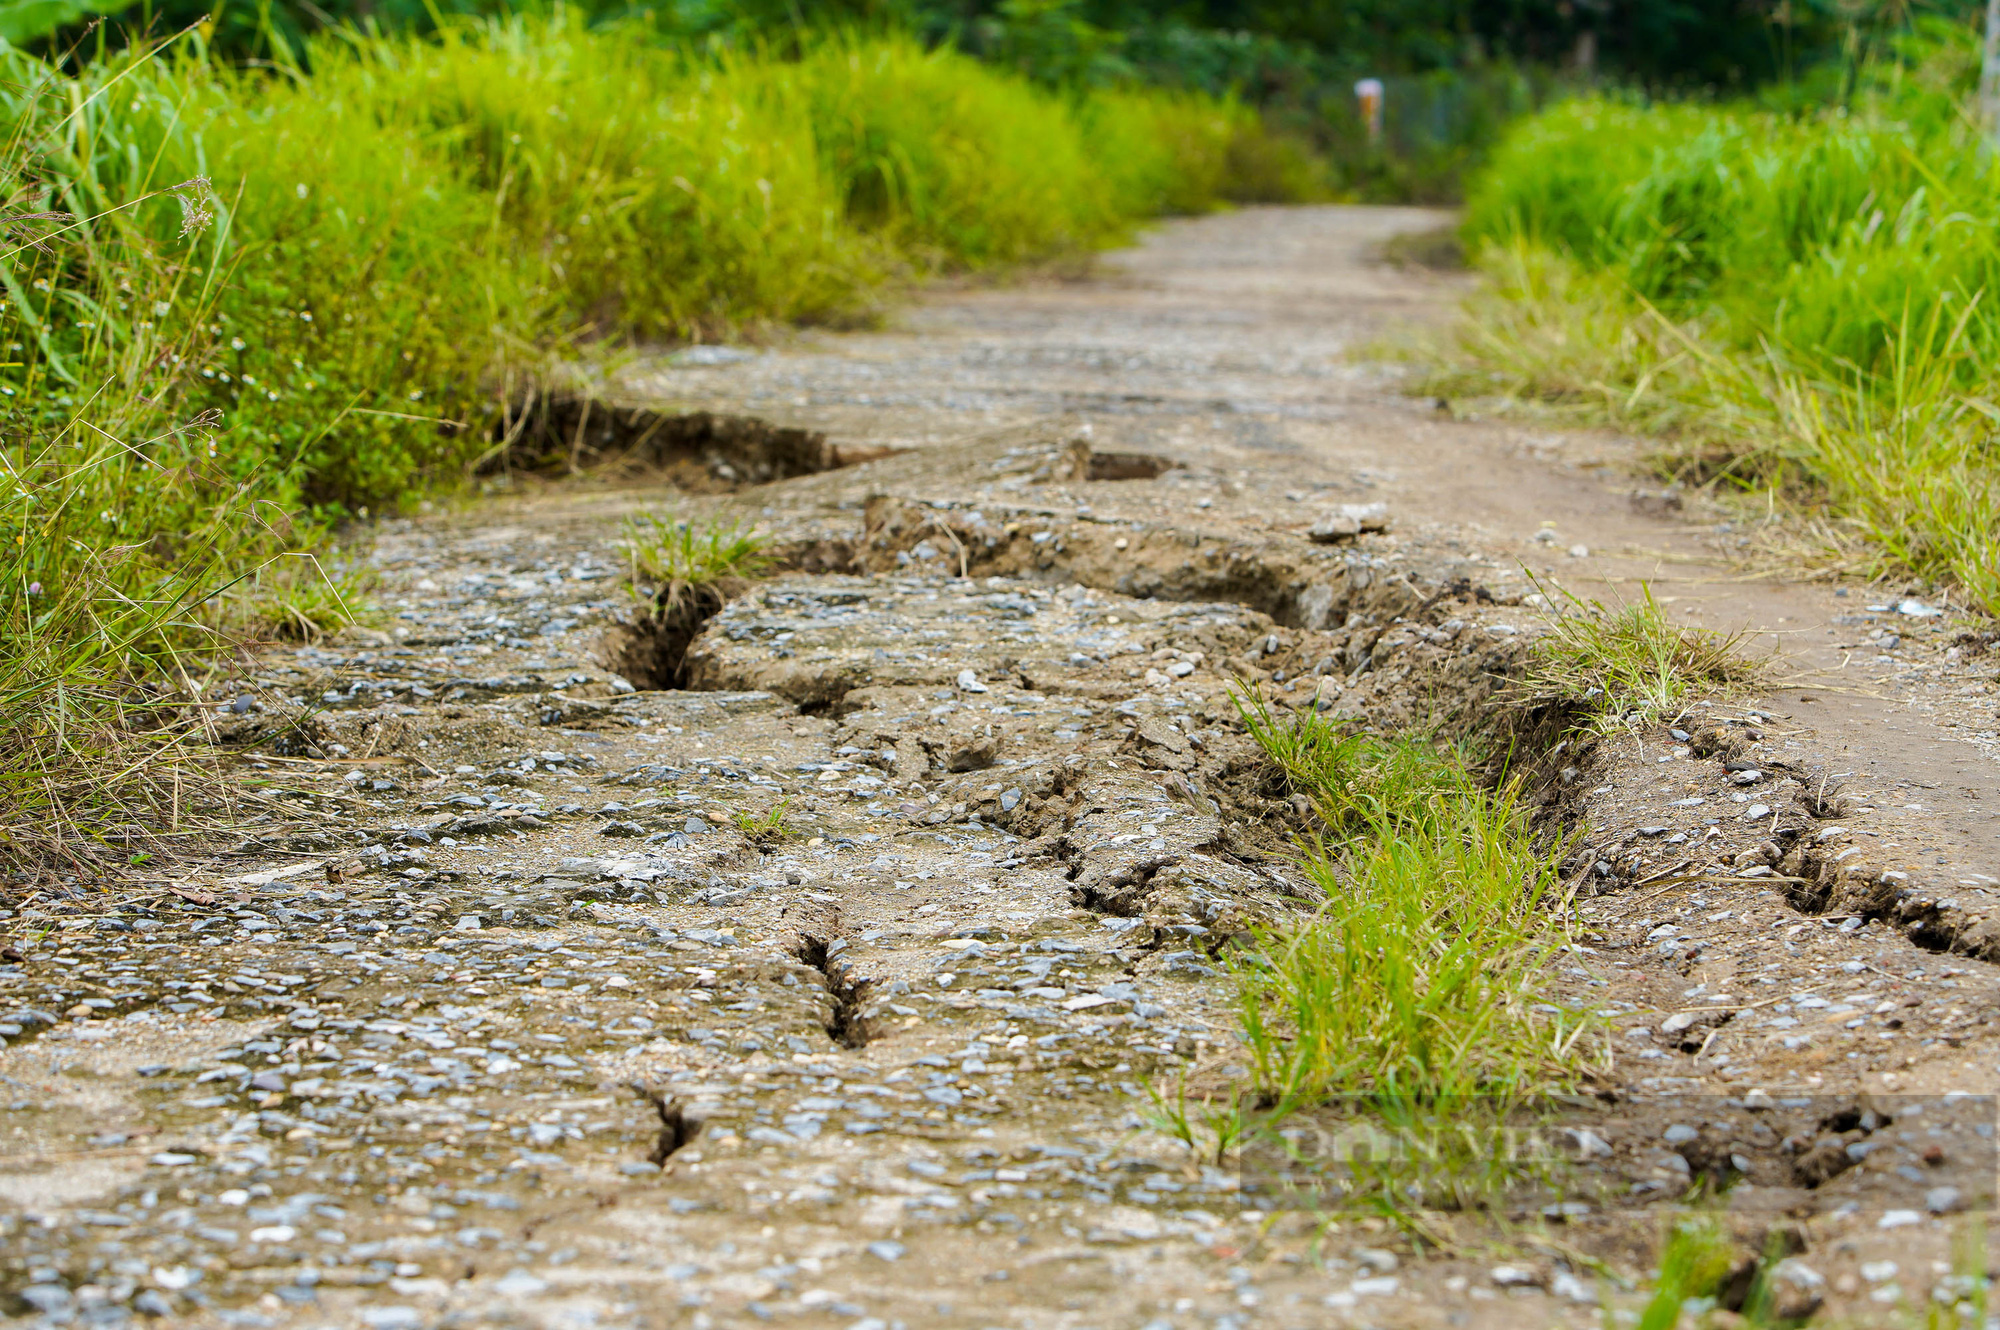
pixel 513 1009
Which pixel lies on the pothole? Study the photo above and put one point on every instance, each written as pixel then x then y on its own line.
pixel 703 452
pixel 845 1025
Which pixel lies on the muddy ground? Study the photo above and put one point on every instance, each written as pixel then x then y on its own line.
pixel 820 961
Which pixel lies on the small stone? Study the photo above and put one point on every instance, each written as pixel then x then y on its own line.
pixel 518 1284
pixel 1567 1285
pixel 628 830
pixel 1680 1134
pixel 1375 1259
pixel 1898 1219
pixel 1332 529
pixel 1797 1289
pixel 1676 1023
pixel 638 1168
pixel 391 1318
pixel 1587 1143
pixel 968 682
pixel 886 1250
pixel 1348 521
pixel 49 1299
pixel 1579 551
pixel 1514 1276
pixel 1756 813
pixel 974 755
pixel 1944 1200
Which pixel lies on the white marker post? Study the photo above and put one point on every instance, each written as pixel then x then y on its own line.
pixel 1369 93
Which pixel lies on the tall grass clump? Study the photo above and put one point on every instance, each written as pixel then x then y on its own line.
pixel 948 160
pixel 672 561
pixel 196 378
pixel 118 512
pixel 1796 301
pixel 637 191
pixel 1421 976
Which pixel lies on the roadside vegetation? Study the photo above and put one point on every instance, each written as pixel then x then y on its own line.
pixel 1792 297
pixel 241 305
pixel 770 827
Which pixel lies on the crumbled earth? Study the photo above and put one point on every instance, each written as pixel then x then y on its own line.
pixel 843 956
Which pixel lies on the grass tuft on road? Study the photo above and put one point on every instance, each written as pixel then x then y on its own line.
pixel 1628 666
pixel 1421 975
pixel 675 561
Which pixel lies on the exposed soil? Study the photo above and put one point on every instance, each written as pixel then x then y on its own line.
pixel 819 954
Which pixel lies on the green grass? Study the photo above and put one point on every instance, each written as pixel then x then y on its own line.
pixel 1794 303
pixel 1420 976
pixel 1628 666
pixel 1210 1128
pixel 299 597
pixel 673 560
pixel 1695 1258
pixel 769 826
pixel 102 756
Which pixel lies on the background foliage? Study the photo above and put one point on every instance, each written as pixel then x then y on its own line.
pixel 1456 69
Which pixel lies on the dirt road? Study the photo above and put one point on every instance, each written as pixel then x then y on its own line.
pixel 823 960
